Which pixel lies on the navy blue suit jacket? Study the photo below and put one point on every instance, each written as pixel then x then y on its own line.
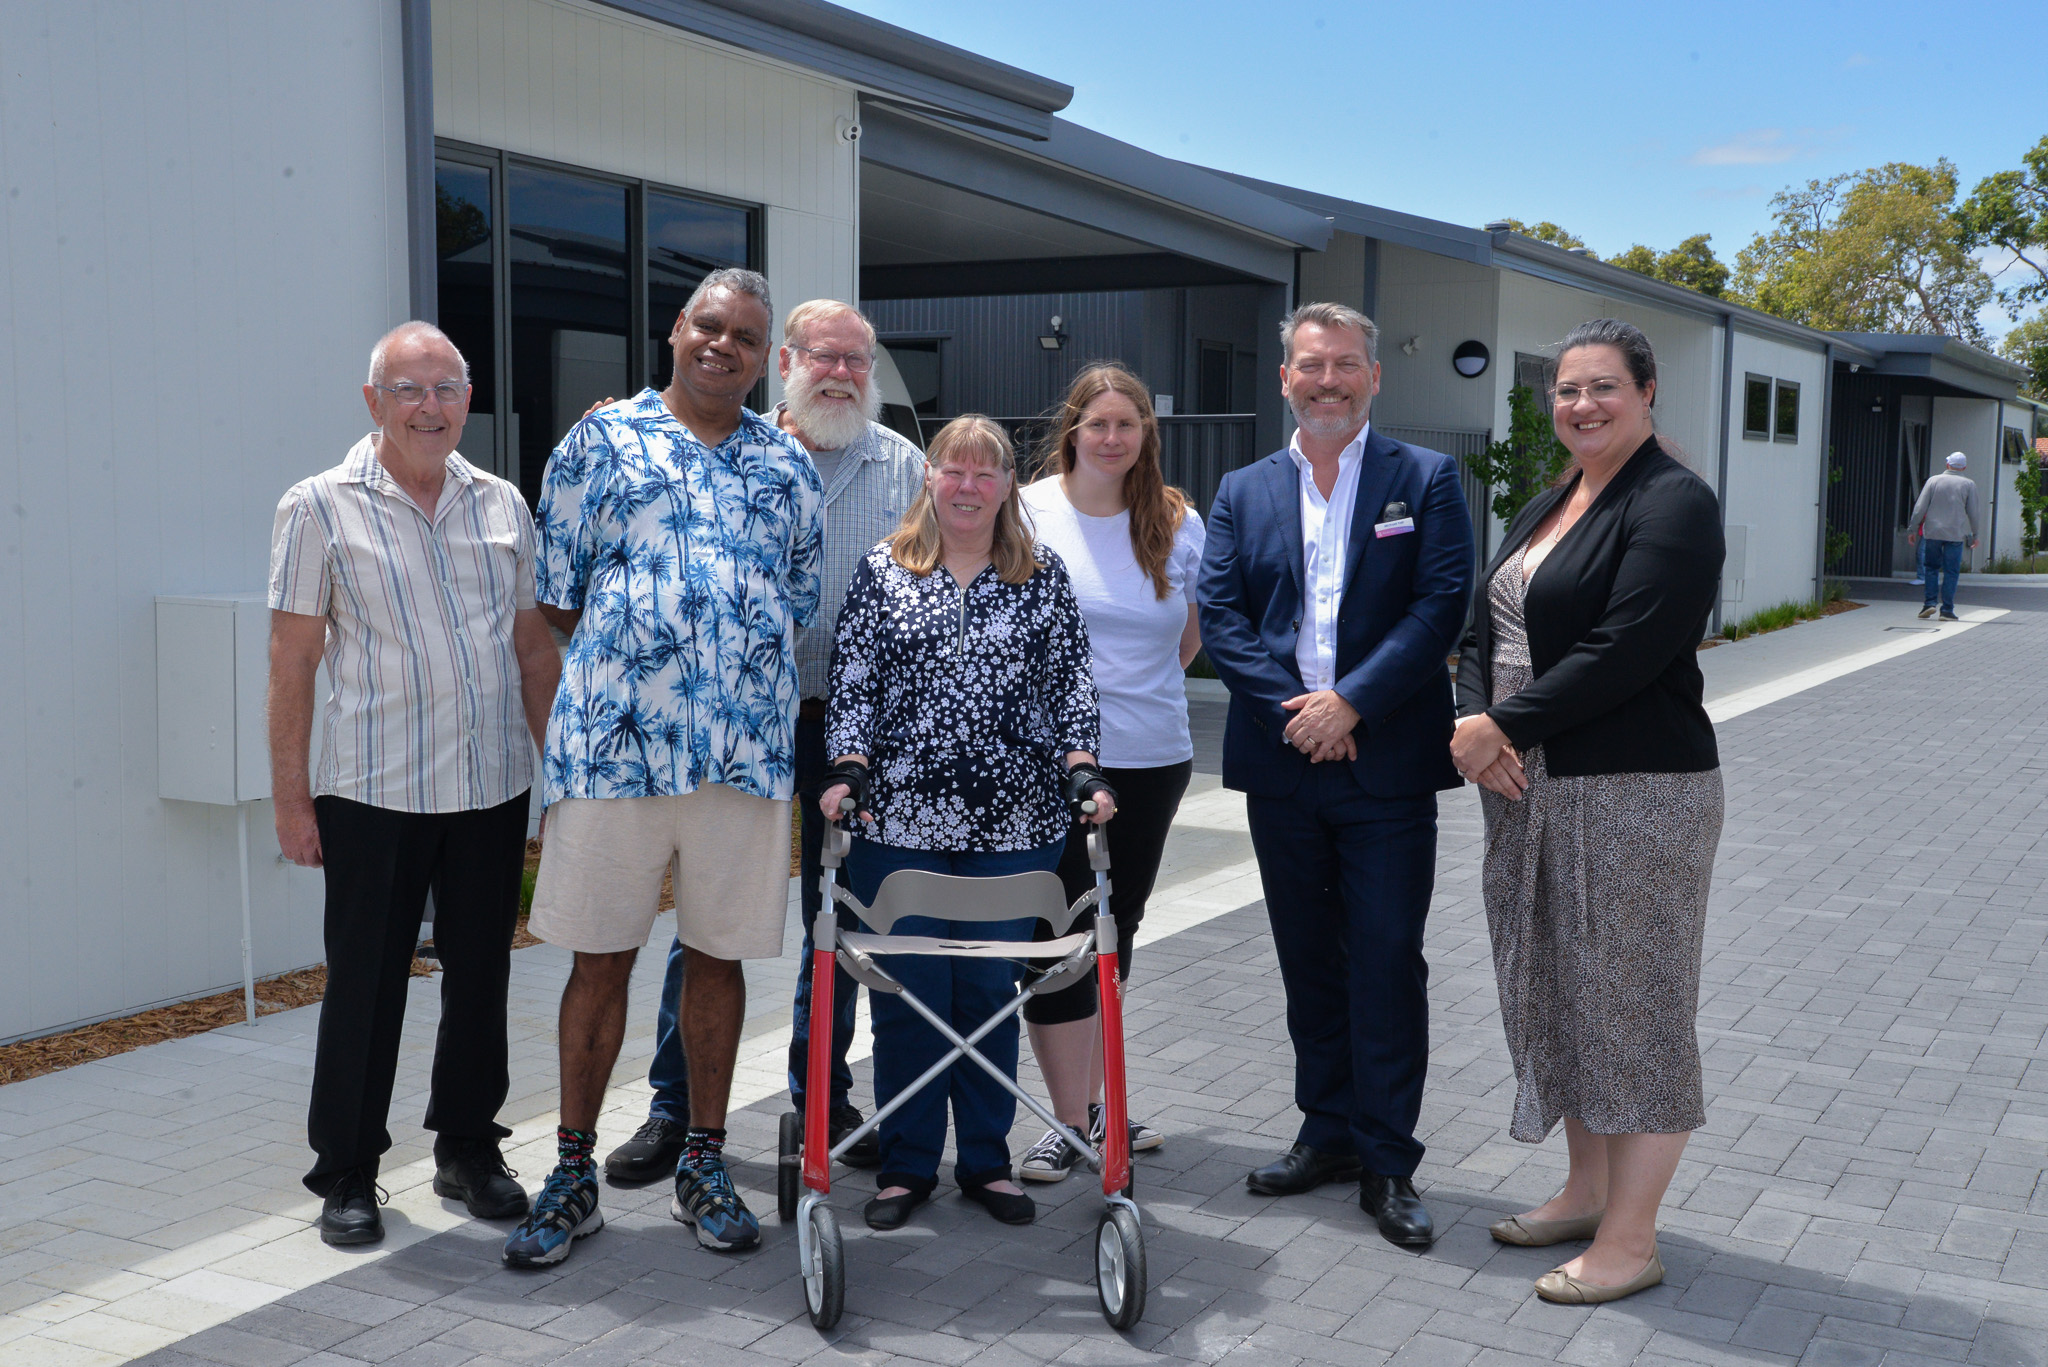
pixel 1402 609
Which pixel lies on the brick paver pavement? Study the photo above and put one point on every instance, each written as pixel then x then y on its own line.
pixel 1868 1189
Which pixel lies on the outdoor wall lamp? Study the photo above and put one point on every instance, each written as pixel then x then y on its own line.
pixel 1055 339
pixel 1411 346
pixel 1470 359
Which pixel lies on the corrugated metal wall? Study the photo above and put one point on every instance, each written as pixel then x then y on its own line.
pixel 1865 450
pixel 992 362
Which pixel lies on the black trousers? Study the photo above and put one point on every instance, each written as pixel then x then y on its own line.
pixel 380 865
pixel 1146 800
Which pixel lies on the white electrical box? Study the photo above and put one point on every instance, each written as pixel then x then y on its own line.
pixel 212 672
pixel 1735 569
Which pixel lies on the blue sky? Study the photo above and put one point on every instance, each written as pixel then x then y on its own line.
pixel 1638 123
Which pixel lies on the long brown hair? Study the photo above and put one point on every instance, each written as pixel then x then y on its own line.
pixel 1157 508
pixel 916 545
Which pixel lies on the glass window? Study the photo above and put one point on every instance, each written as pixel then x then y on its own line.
pixel 2013 447
pixel 464 245
pixel 570 309
pixel 687 239
pixel 1756 408
pixel 1786 414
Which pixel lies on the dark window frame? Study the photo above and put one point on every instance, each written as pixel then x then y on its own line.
pixel 503 461
pixel 1780 389
pixel 1752 383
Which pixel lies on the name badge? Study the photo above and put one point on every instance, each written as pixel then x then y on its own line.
pixel 1394 528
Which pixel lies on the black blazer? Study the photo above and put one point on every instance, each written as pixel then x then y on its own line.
pixel 1615 614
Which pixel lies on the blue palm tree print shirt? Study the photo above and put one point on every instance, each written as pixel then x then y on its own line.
pixel 693 567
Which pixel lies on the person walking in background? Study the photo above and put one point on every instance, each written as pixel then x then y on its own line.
pixel 1333 586
pixel 870 476
pixel 680 540
pixel 1946 517
pixel 1579 692
pixel 1133 548
pixel 409 573
pixel 963 722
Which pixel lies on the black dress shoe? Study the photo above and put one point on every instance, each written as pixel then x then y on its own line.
pixel 844 1120
pixel 1392 1201
pixel 1301 1169
pixel 473 1172
pixel 349 1215
pixel 650 1154
pixel 889 1212
pixel 1011 1207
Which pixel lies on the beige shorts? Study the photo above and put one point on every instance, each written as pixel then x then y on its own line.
pixel 601 868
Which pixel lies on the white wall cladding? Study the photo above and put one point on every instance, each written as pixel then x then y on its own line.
pixel 200 242
pixel 1972 427
pixel 587 86
pixel 1774 486
pixel 1443 302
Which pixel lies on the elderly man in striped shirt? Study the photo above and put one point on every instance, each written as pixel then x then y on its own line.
pixel 410 574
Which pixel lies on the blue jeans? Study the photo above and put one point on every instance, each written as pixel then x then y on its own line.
pixel 962 992
pixel 1942 560
pixel 669 1073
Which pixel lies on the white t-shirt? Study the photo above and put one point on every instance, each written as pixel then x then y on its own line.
pixel 1133 634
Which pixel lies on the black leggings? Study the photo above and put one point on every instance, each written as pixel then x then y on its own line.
pixel 1146 800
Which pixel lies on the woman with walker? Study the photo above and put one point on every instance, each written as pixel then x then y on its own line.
pixel 963 718
pixel 1131 546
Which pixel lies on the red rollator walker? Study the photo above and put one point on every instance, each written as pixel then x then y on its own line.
pixel 805 1153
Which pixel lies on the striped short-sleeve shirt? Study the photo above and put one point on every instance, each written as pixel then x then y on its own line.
pixel 424 712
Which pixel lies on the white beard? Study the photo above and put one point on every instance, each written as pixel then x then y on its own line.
pixel 828 425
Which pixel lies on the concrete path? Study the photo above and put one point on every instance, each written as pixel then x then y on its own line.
pixel 1868 1189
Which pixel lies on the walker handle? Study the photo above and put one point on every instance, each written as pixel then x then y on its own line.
pixel 1098 848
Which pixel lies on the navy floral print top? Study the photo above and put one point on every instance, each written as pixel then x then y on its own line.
pixel 965 702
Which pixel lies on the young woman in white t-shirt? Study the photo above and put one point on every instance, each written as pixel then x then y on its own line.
pixel 1132 546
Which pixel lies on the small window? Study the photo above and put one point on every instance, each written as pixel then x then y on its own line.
pixel 1756 408
pixel 1786 411
pixel 2013 449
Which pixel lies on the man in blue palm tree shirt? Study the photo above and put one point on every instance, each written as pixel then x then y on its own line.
pixel 680 537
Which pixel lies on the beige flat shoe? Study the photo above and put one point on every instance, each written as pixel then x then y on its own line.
pixel 1523 1232
pixel 1556 1287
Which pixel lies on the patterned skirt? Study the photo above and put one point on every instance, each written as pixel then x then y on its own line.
pixel 1596 897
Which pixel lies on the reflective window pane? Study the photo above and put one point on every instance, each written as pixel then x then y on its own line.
pixel 687 239
pixel 569 308
pixel 462 232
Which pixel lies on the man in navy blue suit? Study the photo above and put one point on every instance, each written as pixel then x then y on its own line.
pixel 1333 587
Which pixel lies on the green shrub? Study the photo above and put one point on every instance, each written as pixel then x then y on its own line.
pixel 1785 614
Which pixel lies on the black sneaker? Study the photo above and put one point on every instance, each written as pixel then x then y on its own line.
pixel 1926 612
pixel 349 1215
pixel 1143 1138
pixel 473 1172
pixel 844 1120
pixel 650 1154
pixel 1049 1160
pixel 1950 617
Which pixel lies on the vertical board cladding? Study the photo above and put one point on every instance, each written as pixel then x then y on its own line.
pixel 591 87
pixel 1970 426
pixel 1773 485
pixel 202 242
pixel 1863 432
pixel 1433 303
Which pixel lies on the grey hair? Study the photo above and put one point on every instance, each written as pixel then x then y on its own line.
pixel 406 332
pixel 736 279
pixel 1626 338
pixel 796 329
pixel 1329 316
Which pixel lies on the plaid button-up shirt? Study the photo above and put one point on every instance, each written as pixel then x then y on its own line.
pixel 424 712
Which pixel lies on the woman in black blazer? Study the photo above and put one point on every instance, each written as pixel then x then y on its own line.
pixel 1580 718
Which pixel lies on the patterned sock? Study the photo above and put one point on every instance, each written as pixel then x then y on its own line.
pixel 575 1148
pixel 703 1144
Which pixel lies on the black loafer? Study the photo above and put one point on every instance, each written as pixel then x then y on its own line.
pixel 349 1214
pixel 1402 1217
pixel 844 1120
pixel 473 1172
pixel 889 1212
pixel 650 1154
pixel 1012 1208
pixel 1301 1169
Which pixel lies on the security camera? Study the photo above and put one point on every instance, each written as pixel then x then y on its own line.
pixel 849 130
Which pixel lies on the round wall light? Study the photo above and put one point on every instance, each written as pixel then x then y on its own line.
pixel 1470 359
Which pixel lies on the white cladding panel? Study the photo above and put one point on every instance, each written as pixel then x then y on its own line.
pixel 586 86
pixel 1972 427
pixel 1774 486
pixel 203 236
pixel 1442 302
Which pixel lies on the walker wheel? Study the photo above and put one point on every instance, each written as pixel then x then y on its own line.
pixel 825 1283
pixel 789 1158
pixel 1120 1267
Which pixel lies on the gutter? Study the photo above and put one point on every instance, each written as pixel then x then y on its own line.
pixel 1827 465
pixel 1721 480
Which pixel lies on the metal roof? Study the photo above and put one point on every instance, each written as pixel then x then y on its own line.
pixel 1945 359
pixel 880 58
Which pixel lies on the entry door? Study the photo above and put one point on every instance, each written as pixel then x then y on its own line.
pixel 1913 470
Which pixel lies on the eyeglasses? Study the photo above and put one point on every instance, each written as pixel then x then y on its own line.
pixel 1348 366
pixel 857 362
pixel 1599 391
pixel 411 395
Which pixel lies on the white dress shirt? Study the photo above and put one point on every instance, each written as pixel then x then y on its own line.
pixel 1325 538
